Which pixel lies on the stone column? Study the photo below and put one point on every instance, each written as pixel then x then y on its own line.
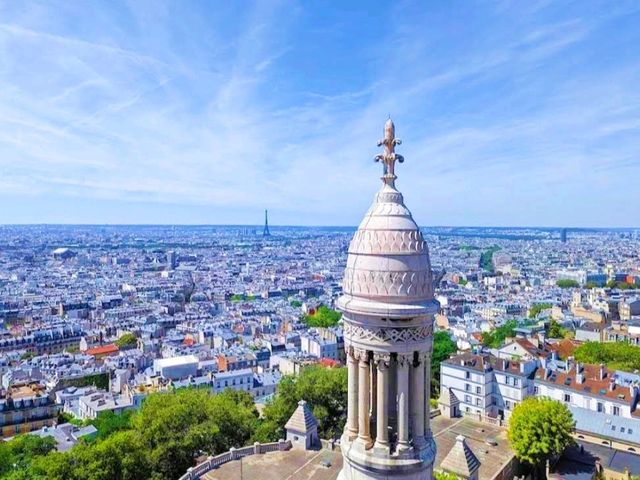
pixel 373 401
pixel 352 403
pixel 382 420
pixel 427 394
pixel 403 402
pixel 364 435
pixel 418 400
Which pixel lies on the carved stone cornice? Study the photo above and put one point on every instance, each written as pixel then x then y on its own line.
pixel 388 336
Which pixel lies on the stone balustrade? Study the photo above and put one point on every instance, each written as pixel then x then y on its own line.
pixel 194 473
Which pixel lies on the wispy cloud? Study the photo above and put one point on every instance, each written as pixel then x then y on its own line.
pixel 282 106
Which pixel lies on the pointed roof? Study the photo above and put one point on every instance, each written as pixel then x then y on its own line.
pixel 448 397
pixel 461 460
pixel 302 420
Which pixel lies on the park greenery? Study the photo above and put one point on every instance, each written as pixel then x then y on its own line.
pixel 496 337
pixel 567 283
pixel 126 341
pixel 615 355
pixel 555 330
pixel 237 297
pixel 540 428
pixel 622 285
pixel 160 441
pixel 172 429
pixel 443 348
pixel 486 258
pixel 325 391
pixel 99 380
pixel 295 303
pixel 322 317
pixel 536 308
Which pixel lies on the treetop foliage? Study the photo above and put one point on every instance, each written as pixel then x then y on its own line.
pixel 443 348
pixel 496 337
pixel 615 355
pixel 567 283
pixel 127 340
pixel 540 428
pixel 323 317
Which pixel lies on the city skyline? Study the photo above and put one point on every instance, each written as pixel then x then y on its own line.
pixel 512 115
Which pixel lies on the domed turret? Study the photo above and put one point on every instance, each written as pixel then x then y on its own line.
pixel 388 309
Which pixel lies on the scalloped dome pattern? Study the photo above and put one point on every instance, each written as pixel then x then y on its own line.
pixel 388 256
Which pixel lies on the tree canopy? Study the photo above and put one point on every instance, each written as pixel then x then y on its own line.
pixel 127 340
pixel 160 441
pixel 555 330
pixel 536 308
pixel 615 355
pixel 443 348
pixel 540 428
pixel 567 283
pixel 324 389
pixel 496 337
pixel 323 317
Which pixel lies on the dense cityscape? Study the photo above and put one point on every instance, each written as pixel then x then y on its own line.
pixel 97 318
pixel 288 240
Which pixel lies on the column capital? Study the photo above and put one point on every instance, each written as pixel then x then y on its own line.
pixel 382 360
pixel 361 355
pixel 404 359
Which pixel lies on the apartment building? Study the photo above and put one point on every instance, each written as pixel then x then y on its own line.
pixel 485 385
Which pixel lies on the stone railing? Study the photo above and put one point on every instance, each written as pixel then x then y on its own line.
pixel 486 419
pixel 194 473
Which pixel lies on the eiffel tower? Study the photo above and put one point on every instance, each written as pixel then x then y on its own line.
pixel 265 232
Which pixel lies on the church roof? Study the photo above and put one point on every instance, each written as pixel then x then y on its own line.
pixel 460 460
pixel 302 420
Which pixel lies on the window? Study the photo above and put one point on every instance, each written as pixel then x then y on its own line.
pixel 467 375
pixel 600 407
pixel 515 382
pixel 621 429
pixel 467 409
pixel 567 397
pixel 478 390
pixel 467 399
pixel 536 390
pixel 477 402
pixel 630 431
pixel 467 387
pixel 506 380
pixel 616 410
pixel 507 404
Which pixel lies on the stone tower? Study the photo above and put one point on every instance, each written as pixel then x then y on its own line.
pixel 388 310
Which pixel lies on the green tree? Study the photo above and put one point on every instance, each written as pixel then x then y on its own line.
pixel 536 308
pixel 540 428
pixel 616 355
pixel 324 389
pixel 441 475
pixel 108 423
pixel 295 303
pixel 566 283
pixel 323 317
pixel 496 337
pixel 555 330
pixel 126 341
pixel 443 348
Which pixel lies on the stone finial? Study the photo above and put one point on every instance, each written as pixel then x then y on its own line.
pixel 388 156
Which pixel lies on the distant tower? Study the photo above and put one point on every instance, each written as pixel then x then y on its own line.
pixel 388 311
pixel 172 260
pixel 266 233
pixel 563 235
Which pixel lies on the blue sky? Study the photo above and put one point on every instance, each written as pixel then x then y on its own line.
pixel 511 112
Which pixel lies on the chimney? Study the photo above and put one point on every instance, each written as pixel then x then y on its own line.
pixel 579 373
pixel 612 385
pixel 603 372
